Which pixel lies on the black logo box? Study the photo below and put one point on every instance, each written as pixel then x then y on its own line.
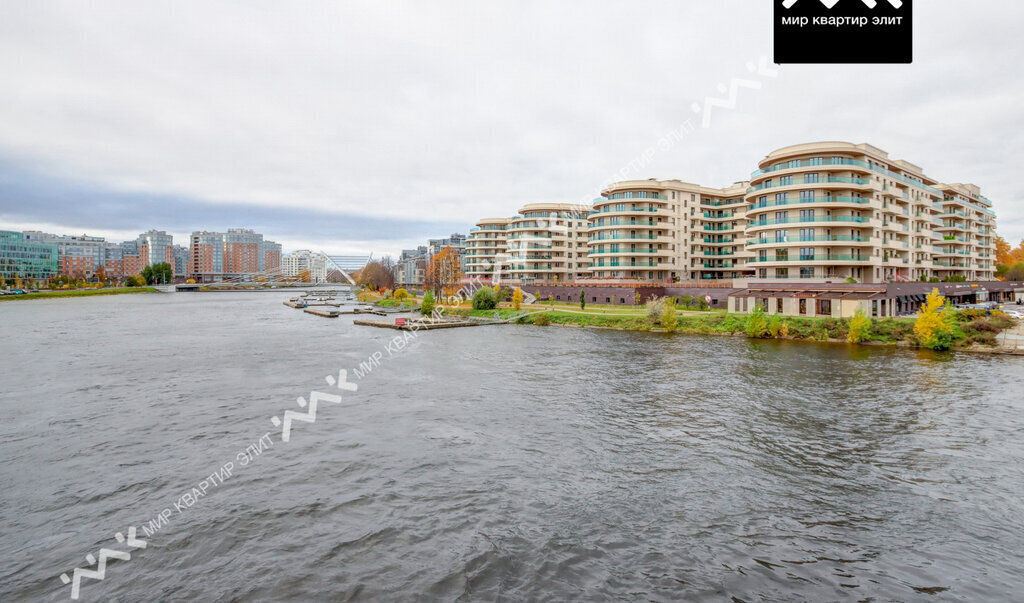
pixel 849 32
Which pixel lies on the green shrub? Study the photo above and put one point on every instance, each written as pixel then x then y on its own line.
pixel 485 299
pixel 427 307
pixel 860 327
pixel 669 320
pixel 542 320
pixel 757 323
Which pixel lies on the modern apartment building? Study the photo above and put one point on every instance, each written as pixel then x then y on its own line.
pixel 299 263
pixel 26 259
pixel 832 211
pixel 819 212
pixel 238 254
pixel 546 242
pixel 157 247
pixel 486 245
pixel 411 267
pixel 668 231
pixel 456 241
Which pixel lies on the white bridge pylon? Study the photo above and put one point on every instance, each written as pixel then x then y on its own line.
pixel 348 263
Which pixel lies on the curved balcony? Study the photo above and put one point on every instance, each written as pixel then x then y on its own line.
pixel 648 265
pixel 851 221
pixel 612 210
pixel 816 259
pixel 640 253
pixel 829 182
pixel 620 224
pixel 827 202
pixel 846 240
pixel 650 238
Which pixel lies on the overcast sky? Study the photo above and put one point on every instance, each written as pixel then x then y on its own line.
pixel 372 126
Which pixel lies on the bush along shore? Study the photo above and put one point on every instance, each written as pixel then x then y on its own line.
pixel 938 326
pixel 78 293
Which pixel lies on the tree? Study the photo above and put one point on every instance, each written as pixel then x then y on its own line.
pixel 101 275
pixel 401 294
pixel 158 273
pixel 302 276
pixel 517 298
pixel 1015 272
pixel 444 274
pixel 485 299
pixel 427 307
pixel 860 327
pixel 136 280
pixel 1007 258
pixel 377 275
pixel 583 299
pixel 934 327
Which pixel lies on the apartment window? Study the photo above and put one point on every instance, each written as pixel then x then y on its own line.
pixel 782 255
pixel 781 217
pixel 781 236
pixel 811 178
pixel 781 198
pixel 744 304
pixel 785 180
pixel 806 196
pixel 807 273
pixel 782 272
pixel 874 307
pixel 806 254
pixel 762 201
pixel 824 307
pixel 815 161
pixel 806 215
pixel 778 305
pixel 806 234
pixel 803 305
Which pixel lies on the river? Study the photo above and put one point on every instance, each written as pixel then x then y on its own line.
pixel 497 462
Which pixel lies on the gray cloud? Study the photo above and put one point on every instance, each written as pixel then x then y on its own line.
pixel 438 113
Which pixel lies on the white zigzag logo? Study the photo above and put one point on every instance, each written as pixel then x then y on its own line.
pixel 735 83
pixel 101 568
pixel 830 3
pixel 314 399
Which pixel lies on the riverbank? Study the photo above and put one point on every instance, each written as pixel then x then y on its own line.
pixel 79 293
pixel 970 334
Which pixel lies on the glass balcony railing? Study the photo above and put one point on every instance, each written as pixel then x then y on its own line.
pixel 805 180
pixel 827 238
pixel 854 219
pixel 805 200
pixel 812 258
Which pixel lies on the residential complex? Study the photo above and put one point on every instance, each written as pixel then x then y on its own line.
pixel 833 211
pixel 820 212
pixel 238 254
pixel 546 242
pixel 485 246
pixel 311 266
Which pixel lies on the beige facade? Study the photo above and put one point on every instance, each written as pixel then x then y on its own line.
pixel 818 212
pixel 833 211
pixel 668 231
pixel 486 245
pixel 546 242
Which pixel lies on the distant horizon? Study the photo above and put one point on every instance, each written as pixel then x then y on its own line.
pixel 291 130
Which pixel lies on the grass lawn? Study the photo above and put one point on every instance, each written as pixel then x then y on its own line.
pixel 78 293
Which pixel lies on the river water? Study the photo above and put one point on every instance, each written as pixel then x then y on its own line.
pixel 497 462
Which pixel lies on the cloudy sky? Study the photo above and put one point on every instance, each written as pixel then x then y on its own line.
pixel 355 126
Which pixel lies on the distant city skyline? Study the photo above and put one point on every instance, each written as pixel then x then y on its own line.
pixel 288 129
